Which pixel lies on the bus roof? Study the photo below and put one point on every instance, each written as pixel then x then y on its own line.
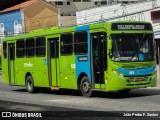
pixel 57 30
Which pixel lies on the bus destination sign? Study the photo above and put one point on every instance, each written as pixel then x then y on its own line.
pixel 131 26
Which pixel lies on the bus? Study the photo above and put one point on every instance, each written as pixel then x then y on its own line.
pixel 109 56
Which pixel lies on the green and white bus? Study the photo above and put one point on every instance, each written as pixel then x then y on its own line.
pixel 111 56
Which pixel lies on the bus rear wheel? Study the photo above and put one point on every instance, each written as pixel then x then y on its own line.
pixel 85 87
pixel 30 84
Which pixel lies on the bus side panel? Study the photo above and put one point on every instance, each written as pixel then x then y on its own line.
pixel 84 66
pixel 41 72
pixel 20 77
pixel 40 79
pixel 31 65
pixel 67 72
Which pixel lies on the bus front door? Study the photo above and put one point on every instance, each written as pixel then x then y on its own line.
pixel 98 57
pixel 11 58
pixel 53 62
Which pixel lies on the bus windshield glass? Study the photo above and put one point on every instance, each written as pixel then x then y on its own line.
pixel 132 47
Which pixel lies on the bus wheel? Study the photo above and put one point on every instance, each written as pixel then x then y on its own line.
pixel 85 87
pixel 124 92
pixel 30 84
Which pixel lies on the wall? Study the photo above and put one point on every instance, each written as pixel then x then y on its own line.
pixel 12 24
pixel 9 19
pixel 67 21
pixel 40 15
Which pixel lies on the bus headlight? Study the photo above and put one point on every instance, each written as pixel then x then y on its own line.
pixel 120 74
pixel 117 73
pixel 155 70
pixel 114 71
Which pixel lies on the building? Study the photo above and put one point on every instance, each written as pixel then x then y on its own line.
pixel 68 8
pixel 27 16
pixel 145 11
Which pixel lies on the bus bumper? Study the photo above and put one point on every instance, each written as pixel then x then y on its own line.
pixel 115 82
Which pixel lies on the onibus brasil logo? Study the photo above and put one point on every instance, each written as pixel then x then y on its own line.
pixel 17 114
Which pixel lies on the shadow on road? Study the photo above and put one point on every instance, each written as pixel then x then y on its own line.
pixel 100 94
pixel 57 113
pixel 134 93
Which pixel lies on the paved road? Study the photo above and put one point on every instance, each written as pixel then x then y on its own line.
pixel 138 100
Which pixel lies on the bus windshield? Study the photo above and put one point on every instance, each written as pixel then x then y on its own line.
pixel 132 47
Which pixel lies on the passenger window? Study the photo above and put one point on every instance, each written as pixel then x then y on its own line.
pixel 80 43
pixel 66 44
pixel 20 50
pixel 30 47
pixel 40 46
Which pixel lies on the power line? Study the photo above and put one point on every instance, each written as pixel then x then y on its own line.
pixel 104 11
pixel 111 12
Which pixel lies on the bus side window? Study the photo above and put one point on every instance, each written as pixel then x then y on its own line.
pixel 5 49
pixel 30 47
pixel 80 42
pixel 20 50
pixel 67 44
pixel 40 46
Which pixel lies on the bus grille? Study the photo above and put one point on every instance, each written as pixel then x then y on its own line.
pixel 133 81
pixel 131 84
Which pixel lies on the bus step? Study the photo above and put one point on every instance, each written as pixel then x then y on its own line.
pixel 55 88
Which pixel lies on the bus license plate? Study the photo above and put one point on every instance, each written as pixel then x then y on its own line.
pixel 139 79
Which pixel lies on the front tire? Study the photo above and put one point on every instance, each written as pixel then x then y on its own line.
pixel 30 84
pixel 85 87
